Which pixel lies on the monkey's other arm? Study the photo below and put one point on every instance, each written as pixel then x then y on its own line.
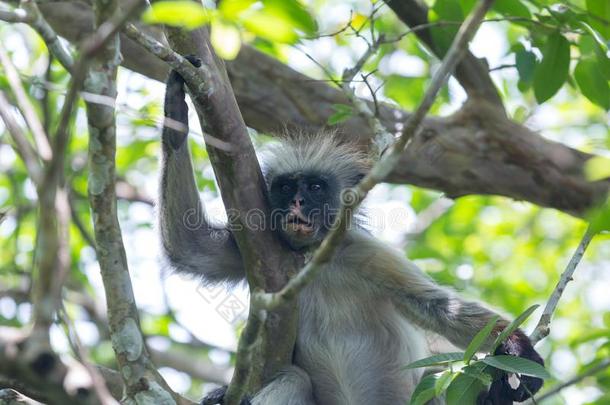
pixel 440 310
pixel 189 242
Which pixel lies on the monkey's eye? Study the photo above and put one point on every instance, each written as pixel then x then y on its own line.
pixel 285 188
pixel 315 187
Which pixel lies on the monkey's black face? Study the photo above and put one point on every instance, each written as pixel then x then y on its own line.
pixel 304 206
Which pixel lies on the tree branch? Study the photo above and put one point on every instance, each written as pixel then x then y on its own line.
pixel 542 329
pixel 476 151
pixel 22 146
pixel 601 366
pixel 142 381
pixel 41 141
pixel 30 14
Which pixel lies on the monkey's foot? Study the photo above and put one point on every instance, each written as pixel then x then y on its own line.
pixel 217 396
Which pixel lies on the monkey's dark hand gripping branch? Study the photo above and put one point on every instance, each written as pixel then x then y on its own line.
pixel 176 110
pixel 501 392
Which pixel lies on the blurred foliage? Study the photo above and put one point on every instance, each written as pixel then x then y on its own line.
pixel 553 74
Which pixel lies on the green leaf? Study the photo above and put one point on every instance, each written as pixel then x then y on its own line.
pixel 226 39
pixel 437 359
pixel 513 8
pixel 599 18
pixel 551 73
pixel 479 339
pixel 232 9
pixel 592 82
pixel 342 113
pixel 521 114
pixel 596 36
pixel 600 49
pixel 478 370
pixel 187 14
pixel 442 36
pixel 294 11
pixel 513 326
pixel 270 26
pixel 442 382
pixel 603 62
pixel 406 91
pixel 599 217
pixel 463 390
pixel 519 365
pixel 467 6
pixel 597 168
pixel 526 64
pixel 424 391
pixel 278 20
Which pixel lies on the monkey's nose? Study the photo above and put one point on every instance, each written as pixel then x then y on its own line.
pixel 298 202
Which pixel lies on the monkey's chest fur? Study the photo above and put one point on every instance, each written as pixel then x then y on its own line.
pixel 353 343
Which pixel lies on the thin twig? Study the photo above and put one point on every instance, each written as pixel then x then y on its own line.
pixel 56 47
pixel 25 106
pixel 22 146
pixel 373 94
pixel 603 365
pixel 90 47
pixel 109 28
pixel 351 198
pixel 15 16
pixel 382 138
pixel 543 327
pixel 504 66
pixel 173 59
pixel 335 33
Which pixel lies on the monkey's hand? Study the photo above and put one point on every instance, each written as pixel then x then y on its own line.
pixel 501 392
pixel 176 110
pixel 217 397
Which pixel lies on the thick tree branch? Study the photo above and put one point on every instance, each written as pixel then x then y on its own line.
pixel 476 151
pixel 543 327
pixel 242 187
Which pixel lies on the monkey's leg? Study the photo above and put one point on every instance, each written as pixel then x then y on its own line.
pixel 291 387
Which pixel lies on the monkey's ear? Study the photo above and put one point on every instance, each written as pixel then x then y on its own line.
pixel 356 179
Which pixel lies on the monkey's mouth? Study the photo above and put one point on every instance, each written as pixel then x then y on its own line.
pixel 296 222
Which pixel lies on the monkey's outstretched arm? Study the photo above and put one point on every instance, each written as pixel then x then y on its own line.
pixel 424 302
pixel 190 243
pixel 441 310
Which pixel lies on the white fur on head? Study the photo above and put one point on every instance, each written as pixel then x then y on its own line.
pixel 322 153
